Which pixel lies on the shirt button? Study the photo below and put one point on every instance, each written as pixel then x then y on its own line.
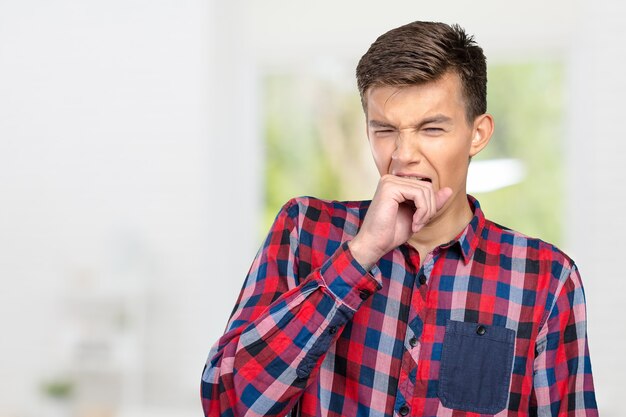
pixel 413 341
pixel 404 410
pixel 332 330
pixel 364 294
pixel 481 330
pixel 422 279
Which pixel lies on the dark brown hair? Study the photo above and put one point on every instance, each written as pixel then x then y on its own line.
pixel 420 52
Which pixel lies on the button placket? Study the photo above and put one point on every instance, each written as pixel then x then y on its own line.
pixel 421 278
pixel 426 268
pixel 409 363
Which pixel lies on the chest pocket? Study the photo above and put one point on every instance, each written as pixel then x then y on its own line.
pixel 476 366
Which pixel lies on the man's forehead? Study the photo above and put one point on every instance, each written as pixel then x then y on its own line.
pixel 443 95
pixel 450 78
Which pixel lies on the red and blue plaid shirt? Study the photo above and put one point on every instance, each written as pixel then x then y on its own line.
pixel 492 323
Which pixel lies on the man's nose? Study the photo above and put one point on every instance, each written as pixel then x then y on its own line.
pixel 407 149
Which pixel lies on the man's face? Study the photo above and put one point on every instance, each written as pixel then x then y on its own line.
pixel 422 131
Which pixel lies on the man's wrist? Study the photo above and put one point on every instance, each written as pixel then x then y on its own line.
pixel 362 255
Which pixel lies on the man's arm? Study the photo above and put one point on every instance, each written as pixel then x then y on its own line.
pixel 282 325
pixel 563 383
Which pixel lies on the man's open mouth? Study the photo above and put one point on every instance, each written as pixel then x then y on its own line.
pixel 421 179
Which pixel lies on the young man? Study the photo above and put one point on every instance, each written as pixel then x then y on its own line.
pixel 413 303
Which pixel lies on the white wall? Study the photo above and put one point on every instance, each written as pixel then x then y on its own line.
pixel 121 158
pixel 596 177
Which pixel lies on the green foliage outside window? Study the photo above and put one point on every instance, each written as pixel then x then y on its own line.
pixel 526 101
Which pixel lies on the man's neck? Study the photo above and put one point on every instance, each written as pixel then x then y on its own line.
pixel 443 228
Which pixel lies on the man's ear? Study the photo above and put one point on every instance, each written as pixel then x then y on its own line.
pixel 483 129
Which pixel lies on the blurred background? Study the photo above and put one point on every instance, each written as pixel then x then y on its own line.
pixel 145 147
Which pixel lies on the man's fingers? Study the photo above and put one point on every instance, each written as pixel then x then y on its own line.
pixel 420 195
pixel 421 214
pixel 436 202
pixel 442 196
pixel 433 204
pixel 426 202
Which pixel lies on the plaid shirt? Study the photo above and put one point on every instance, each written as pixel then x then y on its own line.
pixel 492 323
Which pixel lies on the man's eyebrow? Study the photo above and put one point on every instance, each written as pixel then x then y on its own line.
pixel 379 124
pixel 438 118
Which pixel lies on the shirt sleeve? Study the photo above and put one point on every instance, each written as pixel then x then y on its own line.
pixel 282 325
pixel 563 383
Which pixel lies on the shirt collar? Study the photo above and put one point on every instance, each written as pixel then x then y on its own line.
pixel 468 239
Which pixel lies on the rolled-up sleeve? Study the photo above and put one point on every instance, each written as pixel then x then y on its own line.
pixel 282 325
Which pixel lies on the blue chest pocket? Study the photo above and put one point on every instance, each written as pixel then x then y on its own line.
pixel 476 366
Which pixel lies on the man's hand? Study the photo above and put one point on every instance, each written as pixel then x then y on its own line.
pixel 401 207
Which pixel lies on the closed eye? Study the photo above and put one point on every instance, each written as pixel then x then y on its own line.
pixel 384 131
pixel 434 130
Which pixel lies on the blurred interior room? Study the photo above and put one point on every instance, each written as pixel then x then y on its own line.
pixel 145 148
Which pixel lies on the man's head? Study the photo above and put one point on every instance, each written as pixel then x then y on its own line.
pixel 421 52
pixel 423 88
